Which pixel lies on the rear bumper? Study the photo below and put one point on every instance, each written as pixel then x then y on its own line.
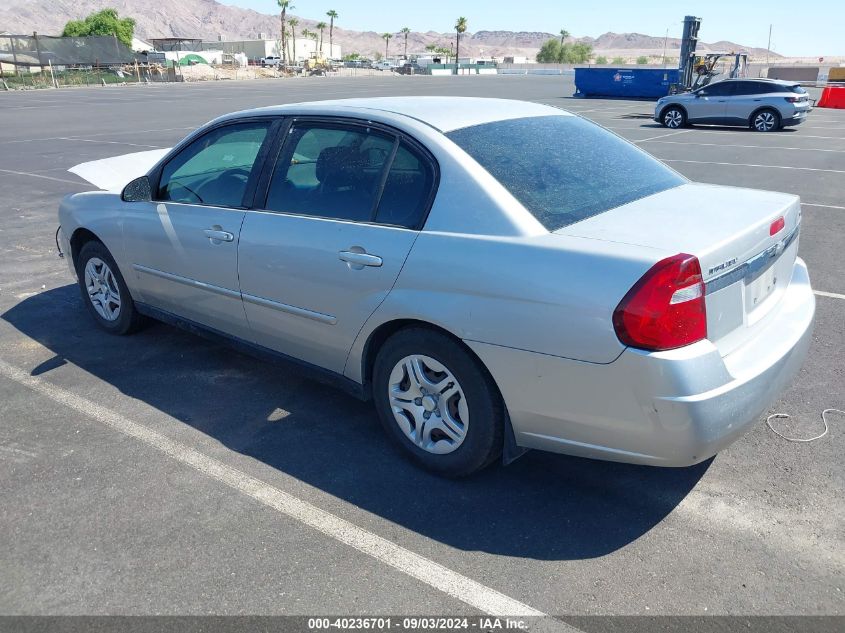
pixel 673 408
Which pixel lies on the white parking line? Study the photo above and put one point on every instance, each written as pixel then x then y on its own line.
pixel 433 574
pixel 26 173
pixel 825 206
pixel 707 131
pixel 832 295
pixel 651 138
pixel 795 149
pixel 89 140
pixel 712 162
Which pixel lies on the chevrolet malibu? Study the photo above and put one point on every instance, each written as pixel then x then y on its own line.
pixel 494 275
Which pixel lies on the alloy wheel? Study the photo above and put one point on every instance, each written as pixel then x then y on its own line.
pixel 673 119
pixel 764 122
pixel 428 404
pixel 102 288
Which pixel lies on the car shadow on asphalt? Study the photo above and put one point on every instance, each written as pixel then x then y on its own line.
pixel 543 506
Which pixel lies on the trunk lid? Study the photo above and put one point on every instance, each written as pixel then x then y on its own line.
pixel 746 269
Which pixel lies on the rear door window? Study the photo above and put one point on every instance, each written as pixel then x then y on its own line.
pixel 564 169
pixel 351 172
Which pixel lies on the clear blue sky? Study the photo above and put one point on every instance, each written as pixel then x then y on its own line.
pixel 809 28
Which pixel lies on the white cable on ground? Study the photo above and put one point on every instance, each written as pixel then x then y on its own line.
pixel 786 416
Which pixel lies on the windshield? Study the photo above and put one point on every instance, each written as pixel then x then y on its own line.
pixel 564 169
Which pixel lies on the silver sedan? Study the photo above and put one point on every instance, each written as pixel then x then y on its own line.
pixel 494 275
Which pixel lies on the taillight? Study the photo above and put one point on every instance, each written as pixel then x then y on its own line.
pixel 665 308
pixel 777 226
pixel 793 99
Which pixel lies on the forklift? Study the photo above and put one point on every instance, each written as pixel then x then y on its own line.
pixel 699 70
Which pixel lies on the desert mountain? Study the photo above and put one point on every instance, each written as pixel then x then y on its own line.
pixel 211 20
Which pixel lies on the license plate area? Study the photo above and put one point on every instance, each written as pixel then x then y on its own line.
pixel 760 288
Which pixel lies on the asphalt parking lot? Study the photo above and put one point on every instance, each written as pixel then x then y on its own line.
pixel 163 474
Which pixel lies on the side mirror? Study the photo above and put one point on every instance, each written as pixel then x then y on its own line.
pixel 139 190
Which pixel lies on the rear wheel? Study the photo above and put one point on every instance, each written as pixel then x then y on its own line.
pixel 673 118
pixel 438 403
pixel 765 121
pixel 104 291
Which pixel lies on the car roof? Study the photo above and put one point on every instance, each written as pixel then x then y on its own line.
pixel 780 82
pixel 442 113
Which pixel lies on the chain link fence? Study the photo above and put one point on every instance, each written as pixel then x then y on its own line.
pixel 37 61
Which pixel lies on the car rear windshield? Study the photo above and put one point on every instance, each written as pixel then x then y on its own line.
pixel 564 169
pixel 797 89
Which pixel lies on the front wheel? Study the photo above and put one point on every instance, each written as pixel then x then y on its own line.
pixel 104 291
pixel 765 121
pixel 673 118
pixel 438 403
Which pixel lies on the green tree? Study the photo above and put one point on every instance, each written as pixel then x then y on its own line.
pixel 321 27
pixel 563 35
pixel 105 22
pixel 332 17
pixel 386 37
pixel 431 47
pixel 642 59
pixel 601 59
pixel 579 53
pixel 552 52
pixel 549 52
pixel 284 5
pixel 404 31
pixel 618 61
pixel 460 28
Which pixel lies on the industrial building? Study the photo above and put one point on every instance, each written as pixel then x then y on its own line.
pixel 305 48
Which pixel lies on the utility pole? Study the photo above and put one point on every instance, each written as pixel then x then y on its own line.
pixel 769 45
pixel 664 46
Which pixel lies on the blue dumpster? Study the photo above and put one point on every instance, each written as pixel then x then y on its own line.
pixel 624 82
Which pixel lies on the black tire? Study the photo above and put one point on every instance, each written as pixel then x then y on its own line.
pixel 673 117
pixel 482 443
pixel 128 319
pixel 765 120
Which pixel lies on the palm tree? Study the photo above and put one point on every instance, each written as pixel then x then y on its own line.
pixel 431 47
pixel 460 27
pixel 563 35
pixel 293 24
pixel 305 33
pixel 404 31
pixel 284 5
pixel 386 37
pixel 321 26
pixel 332 17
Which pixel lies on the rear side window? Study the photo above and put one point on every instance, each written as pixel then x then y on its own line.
pixel 564 169
pixel 407 189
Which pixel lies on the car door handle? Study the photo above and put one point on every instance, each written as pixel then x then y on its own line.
pixel 359 259
pixel 217 234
